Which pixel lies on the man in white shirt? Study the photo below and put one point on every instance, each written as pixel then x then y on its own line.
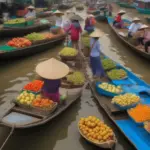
pixel 134 27
pixel 58 18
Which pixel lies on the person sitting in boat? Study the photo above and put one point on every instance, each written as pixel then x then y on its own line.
pixel 118 22
pixel 31 12
pixel 52 71
pixel 90 23
pixel 144 40
pixel 96 65
pixel 134 27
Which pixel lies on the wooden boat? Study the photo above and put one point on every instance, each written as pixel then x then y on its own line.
pixel 101 18
pixel 44 14
pixel 96 12
pixel 65 6
pixel 19 31
pixel 126 5
pixel 143 11
pixel 17 117
pixel 22 52
pixel 124 40
pixel 134 133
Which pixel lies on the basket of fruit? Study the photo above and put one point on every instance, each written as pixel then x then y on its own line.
pixel 44 106
pixel 96 132
pixel 75 80
pixel 147 126
pixel 139 114
pixel 126 101
pixel 117 74
pixel 108 89
pixel 25 99
pixel 34 86
pixel 68 54
pixel 108 64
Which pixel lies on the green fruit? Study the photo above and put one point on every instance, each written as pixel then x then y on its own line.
pixel 35 36
pixel 67 51
pixel 76 78
pixel 117 74
pixel 108 64
pixel 15 21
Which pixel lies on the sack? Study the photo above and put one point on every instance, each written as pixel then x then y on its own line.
pixel 93 21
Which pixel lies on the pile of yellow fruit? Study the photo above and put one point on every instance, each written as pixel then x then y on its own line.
pixel 26 98
pixel 126 99
pixel 68 51
pixel 95 130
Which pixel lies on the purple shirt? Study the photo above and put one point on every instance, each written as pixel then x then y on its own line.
pixel 51 86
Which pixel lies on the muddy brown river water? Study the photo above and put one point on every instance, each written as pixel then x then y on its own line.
pixel 62 132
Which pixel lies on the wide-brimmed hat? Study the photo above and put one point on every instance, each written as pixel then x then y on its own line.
pixel 97 33
pixel 121 12
pixel 136 19
pixel 58 12
pixel 90 15
pixel 144 26
pixel 52 69
pixel 76 17
pixel 31 7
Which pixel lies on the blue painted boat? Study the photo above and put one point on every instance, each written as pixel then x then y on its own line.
pixel 125 40
pixel 134 132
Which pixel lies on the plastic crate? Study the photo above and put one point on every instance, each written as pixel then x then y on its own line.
pixel 30 22
pixel 103 92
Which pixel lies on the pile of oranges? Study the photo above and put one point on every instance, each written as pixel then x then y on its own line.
pixel 140 113
pixel 95 130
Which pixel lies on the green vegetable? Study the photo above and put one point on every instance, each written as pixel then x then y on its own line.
pixel 15 21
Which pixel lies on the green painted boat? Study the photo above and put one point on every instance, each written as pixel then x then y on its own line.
pixel 101 18
pixel 143 10
pixel 96 12
pixel 126 5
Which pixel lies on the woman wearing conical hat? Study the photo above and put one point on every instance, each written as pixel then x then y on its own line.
pixel 31 12
pixel 52 71
pixel 95 61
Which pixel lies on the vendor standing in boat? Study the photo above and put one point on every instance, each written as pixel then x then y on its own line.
pixel 134 27
pixel 52 71
pixel 31 12
pixel 95 61
pixel 118 22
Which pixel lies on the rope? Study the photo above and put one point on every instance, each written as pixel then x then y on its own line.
pixel 4 143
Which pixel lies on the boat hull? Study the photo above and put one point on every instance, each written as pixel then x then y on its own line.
pixel 14 32
pixel 31 50
pixel 125 5
pixel 143 11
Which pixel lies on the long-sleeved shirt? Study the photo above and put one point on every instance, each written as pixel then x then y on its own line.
pixel 134 27
pixel 118 18
pixel 30 14
pixel 95 51
pixel 59 22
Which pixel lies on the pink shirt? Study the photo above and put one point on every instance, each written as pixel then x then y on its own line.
pixel 146 36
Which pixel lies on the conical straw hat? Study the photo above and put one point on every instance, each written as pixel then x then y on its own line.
pixel 136 19
pixel 97 34
pixel 31 7
pixel 52 69
pixel 58 12
pixel 121 12
pixel 144 26
pixel 76 17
